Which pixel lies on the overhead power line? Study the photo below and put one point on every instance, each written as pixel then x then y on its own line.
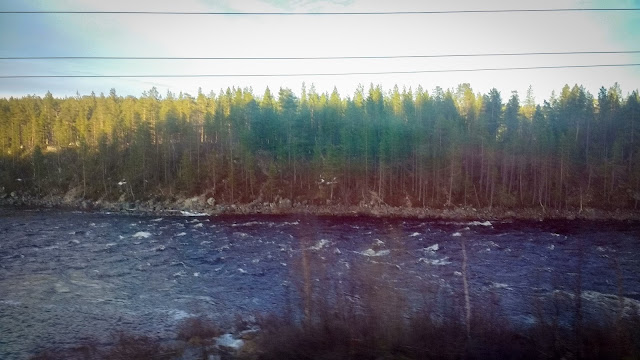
pixel 430 12
pixel 319 74
pixel 309 57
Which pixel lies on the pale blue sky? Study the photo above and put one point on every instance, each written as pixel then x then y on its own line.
pixel 146 35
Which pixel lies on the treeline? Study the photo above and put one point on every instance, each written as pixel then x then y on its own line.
pixel 401 148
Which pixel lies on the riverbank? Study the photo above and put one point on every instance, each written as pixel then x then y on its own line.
pixel 201 205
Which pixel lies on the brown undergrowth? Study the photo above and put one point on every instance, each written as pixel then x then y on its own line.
pixel 361 313
pixel 367 317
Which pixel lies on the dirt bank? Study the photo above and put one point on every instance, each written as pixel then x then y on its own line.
pixel 202 205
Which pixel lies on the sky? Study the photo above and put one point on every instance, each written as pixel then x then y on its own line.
pixel 314 35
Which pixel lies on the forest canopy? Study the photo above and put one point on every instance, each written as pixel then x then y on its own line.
pixel 399 147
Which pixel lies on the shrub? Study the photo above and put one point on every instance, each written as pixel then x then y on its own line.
pixel 197 329
pixel 129 346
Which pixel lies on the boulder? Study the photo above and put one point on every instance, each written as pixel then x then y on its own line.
pixel 284 203
pixel 72 195
pixel 229 343
pixel 194 203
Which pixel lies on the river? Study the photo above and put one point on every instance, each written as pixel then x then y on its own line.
pixel 69 276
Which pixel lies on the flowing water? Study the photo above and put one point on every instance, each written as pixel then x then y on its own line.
pixel 66 277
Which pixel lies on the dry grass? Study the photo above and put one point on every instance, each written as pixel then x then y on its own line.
pixel 347 329
pixel 197 330
pixel 347 333
pixel 367 318
pixel 125 347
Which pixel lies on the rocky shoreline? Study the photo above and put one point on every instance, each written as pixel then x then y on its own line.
pixel 203 206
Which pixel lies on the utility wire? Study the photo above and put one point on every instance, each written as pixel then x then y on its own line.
pixel 318 74
pixel 309 57
pixel 432 12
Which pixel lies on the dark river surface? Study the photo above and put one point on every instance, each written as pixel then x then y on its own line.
pixel 69 276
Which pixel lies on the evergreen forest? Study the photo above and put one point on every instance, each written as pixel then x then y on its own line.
pixel 408 147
